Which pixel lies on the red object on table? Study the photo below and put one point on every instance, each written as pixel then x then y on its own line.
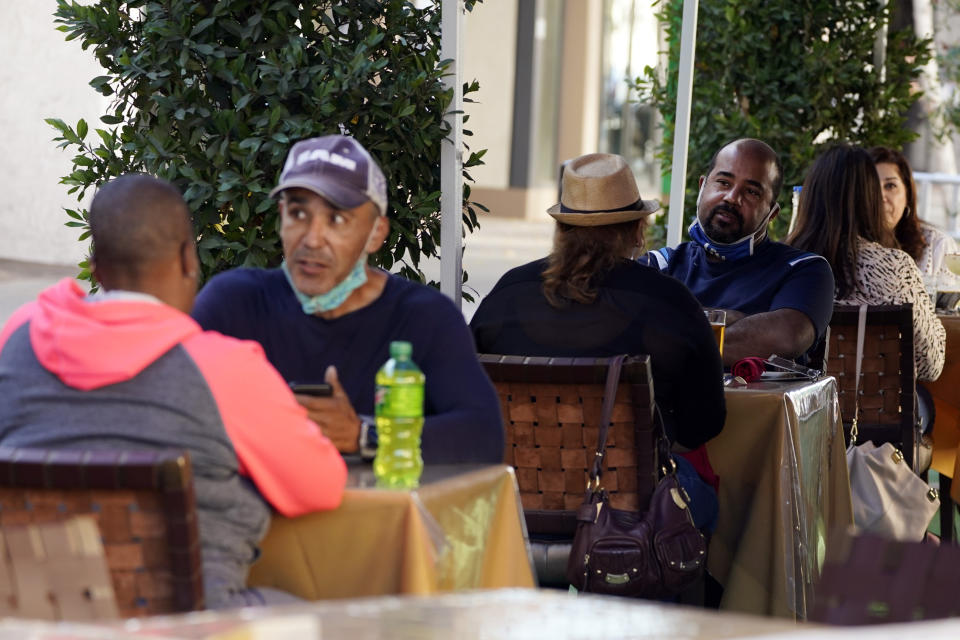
pixel 749 369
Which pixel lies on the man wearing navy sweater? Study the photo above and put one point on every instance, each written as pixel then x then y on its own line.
pixel 778 299
pixel 326 315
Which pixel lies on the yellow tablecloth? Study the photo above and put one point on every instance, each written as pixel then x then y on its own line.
pixel 946 398
pixel 459 530
pixel 783 486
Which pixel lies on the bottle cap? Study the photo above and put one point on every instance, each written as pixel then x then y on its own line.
pixel 400 349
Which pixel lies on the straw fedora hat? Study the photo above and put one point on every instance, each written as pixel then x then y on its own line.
pixel 599 189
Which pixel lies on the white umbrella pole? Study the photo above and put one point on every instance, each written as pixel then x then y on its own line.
pixel 681 132
pixel 451 160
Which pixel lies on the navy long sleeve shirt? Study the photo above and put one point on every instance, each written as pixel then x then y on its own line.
pixel 462 414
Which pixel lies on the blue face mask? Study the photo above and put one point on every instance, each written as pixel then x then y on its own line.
pixel 334 298
pixel 742 248
pixel 728 251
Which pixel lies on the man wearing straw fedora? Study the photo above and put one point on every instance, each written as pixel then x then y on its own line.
pixel 778 299
pixel 590 298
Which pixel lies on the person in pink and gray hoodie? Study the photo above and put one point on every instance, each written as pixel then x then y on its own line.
pixel 128 368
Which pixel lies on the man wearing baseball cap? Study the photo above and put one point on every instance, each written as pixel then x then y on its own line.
pixel 325 315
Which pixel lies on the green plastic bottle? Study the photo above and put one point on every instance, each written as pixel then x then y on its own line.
pixel 399 413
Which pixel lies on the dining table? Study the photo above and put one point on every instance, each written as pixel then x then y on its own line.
pixel 462 528
pixel 784 487
pixel 525 614
pixel 945 391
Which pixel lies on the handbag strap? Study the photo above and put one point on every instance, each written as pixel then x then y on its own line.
pixel 861 330
pixel 606 412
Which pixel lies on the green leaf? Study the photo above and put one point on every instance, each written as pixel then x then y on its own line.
pixel 203 24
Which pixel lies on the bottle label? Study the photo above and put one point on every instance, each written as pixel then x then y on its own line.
pixel 401 401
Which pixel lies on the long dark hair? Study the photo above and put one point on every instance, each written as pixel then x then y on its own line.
pixel 840 201
pixel 580 258
pixel 909 237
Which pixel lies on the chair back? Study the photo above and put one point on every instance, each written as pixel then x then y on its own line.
pixel 143 503
pixel 869 580
pixel 551 412
pixel 887 377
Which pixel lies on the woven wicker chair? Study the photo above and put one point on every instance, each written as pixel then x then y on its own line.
pixel 551 410
pixel 887 378
pixel 55 571
pixel 144 505
pixel 870 580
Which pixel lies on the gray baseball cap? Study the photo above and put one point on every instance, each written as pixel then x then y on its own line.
pixel 337 168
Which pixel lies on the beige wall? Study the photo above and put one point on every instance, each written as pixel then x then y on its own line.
pixel 41 76
pixel 489 56
pixel 581 87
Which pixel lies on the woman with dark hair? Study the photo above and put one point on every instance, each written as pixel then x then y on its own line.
pixel 840 217
pixel 590 298
pixel 925 243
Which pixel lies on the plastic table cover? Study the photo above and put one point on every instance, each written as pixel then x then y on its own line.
pixel 783 486
pixel 462 529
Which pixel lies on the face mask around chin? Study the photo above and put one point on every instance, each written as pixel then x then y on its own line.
pixel 727 251
pixel 337 295
pixel 340 292
pixel 742 248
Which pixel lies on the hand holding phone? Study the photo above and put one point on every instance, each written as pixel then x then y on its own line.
pixel 320 390
pixel 328 405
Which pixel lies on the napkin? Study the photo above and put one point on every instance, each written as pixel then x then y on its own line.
pixel 749 369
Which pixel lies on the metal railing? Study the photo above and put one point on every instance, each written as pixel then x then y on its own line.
pixel 925 199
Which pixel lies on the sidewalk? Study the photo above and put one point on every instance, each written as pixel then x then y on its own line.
pixel 499 245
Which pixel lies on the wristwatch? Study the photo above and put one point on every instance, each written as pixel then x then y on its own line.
pixel 368 438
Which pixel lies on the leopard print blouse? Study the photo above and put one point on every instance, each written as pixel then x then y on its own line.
pixel 890 276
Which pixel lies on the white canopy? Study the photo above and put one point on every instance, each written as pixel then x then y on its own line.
pixel 681 130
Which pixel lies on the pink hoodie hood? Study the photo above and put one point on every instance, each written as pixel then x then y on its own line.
pixel 90 344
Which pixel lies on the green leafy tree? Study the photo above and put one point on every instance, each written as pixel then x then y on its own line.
pixel 799 75
pixel 210 95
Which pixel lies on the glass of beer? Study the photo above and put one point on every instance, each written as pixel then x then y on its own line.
pixel 718 322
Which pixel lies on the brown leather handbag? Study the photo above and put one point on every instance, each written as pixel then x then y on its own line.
pixel 654 554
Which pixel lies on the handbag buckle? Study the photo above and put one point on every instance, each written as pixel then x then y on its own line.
pixel 678 498
pixel 664 471
pixel 933 495
pixel 896 456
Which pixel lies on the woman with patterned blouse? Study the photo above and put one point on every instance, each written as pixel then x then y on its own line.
pixel 840 217
pixel 925 243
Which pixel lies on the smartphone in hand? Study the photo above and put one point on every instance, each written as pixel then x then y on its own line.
pixel 321 389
